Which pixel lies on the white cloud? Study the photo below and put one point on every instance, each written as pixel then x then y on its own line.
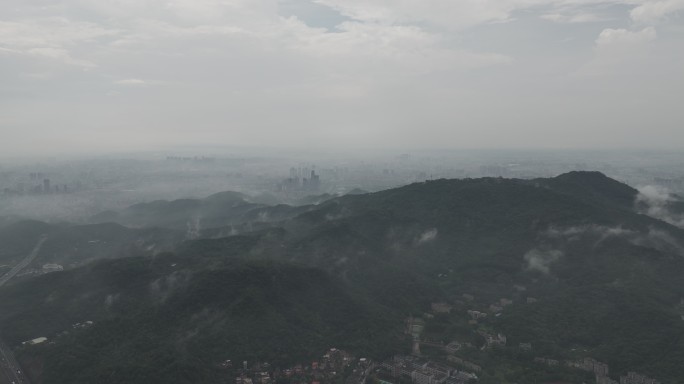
pixel 453 15
pixel 540 260
pixel 655 11
pixel 575 17
pixel 624 37
pixel 621 52
pixel 653 238
pixel 463 14
pixel 428 236
pixel 655 201
pixel 389 50
pixel 52 38
pixel 131 82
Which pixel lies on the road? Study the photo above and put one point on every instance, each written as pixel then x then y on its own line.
pixel 24 262
pixel 10 367
pixel 8 364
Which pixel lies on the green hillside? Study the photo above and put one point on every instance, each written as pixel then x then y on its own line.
pixel 581 272
pixel 172 320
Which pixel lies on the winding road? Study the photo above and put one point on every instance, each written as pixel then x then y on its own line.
pixel 8 364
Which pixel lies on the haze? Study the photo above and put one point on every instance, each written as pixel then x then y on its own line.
pixel 90 76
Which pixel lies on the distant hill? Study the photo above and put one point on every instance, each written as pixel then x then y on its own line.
pixel 356 191
pixel 218 210
pixel 73 245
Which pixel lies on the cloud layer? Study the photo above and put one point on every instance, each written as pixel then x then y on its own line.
pixel 441 73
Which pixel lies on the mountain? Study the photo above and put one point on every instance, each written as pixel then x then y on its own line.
pixel 573 265
pixel 593 186
pixel 17 239
pixel 72 245
pixel 174 319
pixel 218 210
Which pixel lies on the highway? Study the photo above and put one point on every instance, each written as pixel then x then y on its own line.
pixel 24 262
pixel 11 370
pixel 10 367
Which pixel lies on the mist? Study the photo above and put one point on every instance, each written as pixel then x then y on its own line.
pixel 341 191
pixel 661 203
pixel 81 187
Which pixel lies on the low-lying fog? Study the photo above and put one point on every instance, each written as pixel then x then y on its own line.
pixel 73 189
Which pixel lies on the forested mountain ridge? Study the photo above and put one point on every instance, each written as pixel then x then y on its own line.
pixel 583 269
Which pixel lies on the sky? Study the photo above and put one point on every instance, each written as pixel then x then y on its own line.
pixel 111 75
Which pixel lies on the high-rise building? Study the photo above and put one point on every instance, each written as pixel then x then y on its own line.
pixel 46 185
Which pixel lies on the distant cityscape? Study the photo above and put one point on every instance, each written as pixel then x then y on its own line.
pixel 36 184
pixel 76 189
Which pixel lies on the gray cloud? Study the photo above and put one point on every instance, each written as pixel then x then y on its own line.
pixel 91 74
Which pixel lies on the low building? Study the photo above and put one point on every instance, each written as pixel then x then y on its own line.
pixel 38 340
pixel 441 308
pixel 437 369
pixel 475 315
pixel 496 308
pixel 426 376
pixel 453 347
pixel 635 378
pixel 605 380
pixel 549 362
pixel 48 268
pixel 493 340
pixel 590 365
pixel 464 363
pixel 525 346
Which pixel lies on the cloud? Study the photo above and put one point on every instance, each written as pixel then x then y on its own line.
pixel 655 201
pixel 455 15
pixel 610 37
pixel 654 195
pixel 655 11
pixel 659 240
pixel 61 55
pixel 574 17
pixel 574 233
pixel 194 229
pixel 396 72
pixel 622 52
pixel 651 238
pixel 464 14
pixel 540 260
pixel 164 287
pixel 131 82
pixel 52 38
pixel 427 236
pixel 389 51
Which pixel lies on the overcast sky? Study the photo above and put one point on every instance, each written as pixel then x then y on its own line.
pixel 134 74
